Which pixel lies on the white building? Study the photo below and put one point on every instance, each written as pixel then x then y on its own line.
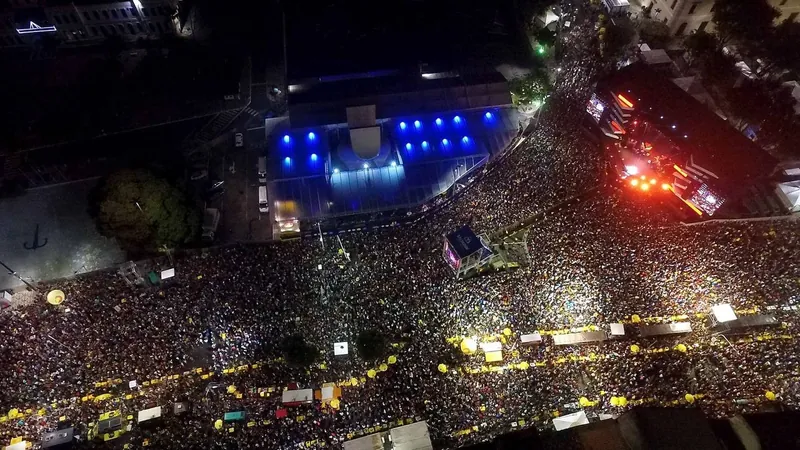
pixel 86 21
pixel 686 16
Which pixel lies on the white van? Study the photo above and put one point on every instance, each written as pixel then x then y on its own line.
pixel 263 203
pixel 262 169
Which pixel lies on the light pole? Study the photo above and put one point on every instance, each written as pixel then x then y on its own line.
pixel 12 272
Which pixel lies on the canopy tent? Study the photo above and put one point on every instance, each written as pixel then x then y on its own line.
pixel 580 338
pixel 494 356
pixel 233 416
pixel 340 349
pixel 570 420
pixel 297 396
pixel 617 329
pixel 18 446
pixel 167 274
pixel 148 414
pixel 789 193
pixel 723 313
pixel 531 339
pixel 663 329
pixel 491 347
pixel 414 436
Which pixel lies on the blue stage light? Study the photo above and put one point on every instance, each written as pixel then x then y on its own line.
pixel 286 138
pixel 313 156
pixel 465 139
pixel 408 146
pixel 311 136
pixel 335 170
pixel 394 164
pixel 488 115
pixel 424 144
pixel 438 121
pixel 365 166
pixel 402 125
pixel 457 119
pixel 417 124
pixel 445 142
pixel 287 160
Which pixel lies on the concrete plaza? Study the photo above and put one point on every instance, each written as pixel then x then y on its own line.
pixel 68 242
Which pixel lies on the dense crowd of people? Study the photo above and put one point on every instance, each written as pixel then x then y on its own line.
pixel 600 261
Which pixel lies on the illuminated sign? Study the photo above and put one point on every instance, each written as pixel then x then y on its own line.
pixel 33 29
pixel 624 101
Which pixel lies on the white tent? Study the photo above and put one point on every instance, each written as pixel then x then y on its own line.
pixel 298 396
pixel 411 437
pixel 18 446
pixel 340 349
pixel 789 193
pixel 617 329
pixel 148 414
pixel 166 274
pixel 570 420
pixel 723 313
pixel 488 347
pixel 327 393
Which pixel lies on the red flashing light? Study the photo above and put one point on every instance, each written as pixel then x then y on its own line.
pixel 634 182
pixel 652 181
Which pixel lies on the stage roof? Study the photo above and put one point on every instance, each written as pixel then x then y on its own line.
pixel 712 142
pixel 464 242
pixel 322 103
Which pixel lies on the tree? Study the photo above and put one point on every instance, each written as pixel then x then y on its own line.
pixel 298 352
pixel 747 21
pixel 780 49
pixel 143 211
pixel 768 107
pixel 546 37
pixel 530 89
pixel 699 44
pixel 654 32
pixel 749 103
pixel 616 41
pixel 371 345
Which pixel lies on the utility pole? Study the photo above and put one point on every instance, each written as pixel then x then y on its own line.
pixel 12 272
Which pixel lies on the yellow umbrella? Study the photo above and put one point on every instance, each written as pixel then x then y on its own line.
pixel 371 373
pixel 507 331
pixel 524 365
pixel 392 359
pixel 622 401
pixel 614 401
pixel 583 401
pixel 442 368
pixel 689 398
pixel 635 318
pixel 12 413
pixel 681 348
pixel 231 389
pixel 218 424
pixel 354 381
pixel 635 348
pixel 335 403
pixel 770 396
pixel 469 346
pixel 383 367
pixel 55 297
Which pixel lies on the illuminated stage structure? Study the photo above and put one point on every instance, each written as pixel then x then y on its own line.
pixel 658 135
pixel 466 253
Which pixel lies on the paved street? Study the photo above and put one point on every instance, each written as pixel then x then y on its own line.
pixel 241 220
pixel 68 242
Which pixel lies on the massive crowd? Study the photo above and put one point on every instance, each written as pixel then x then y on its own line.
pixel 596 262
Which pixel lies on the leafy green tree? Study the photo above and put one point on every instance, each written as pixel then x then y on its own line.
pixel 298 352
pixel 529 89
pixel 654 32
pixel 143 211
pixel 705 52
pixel 371 345
pixel 747 21
pixel 616 41
pixel 781 49
pixel 768 107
